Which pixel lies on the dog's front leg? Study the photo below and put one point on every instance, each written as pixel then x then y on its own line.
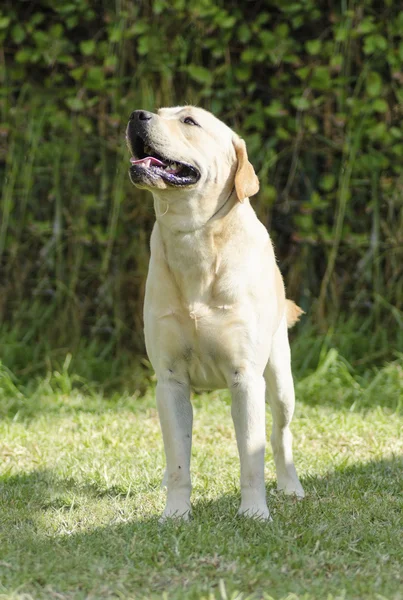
pixel 248 413
pixel 176 418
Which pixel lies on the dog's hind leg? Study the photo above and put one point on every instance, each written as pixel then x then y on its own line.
pixel 281 398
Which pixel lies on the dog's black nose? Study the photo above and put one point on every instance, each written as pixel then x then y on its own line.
pixel 141 115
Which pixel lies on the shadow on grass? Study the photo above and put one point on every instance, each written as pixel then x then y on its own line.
pixel 345 535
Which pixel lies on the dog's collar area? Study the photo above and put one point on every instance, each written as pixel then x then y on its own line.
pixel 144 156
pixel 222 207
pixel 221 212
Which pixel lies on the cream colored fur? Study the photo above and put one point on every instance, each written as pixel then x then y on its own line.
pixel 215 312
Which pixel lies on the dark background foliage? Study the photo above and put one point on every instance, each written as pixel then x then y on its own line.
pixel 315 88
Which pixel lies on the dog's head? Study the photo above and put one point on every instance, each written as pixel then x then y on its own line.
pixel 187 149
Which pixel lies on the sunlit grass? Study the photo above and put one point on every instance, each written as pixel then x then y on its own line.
pixel 80 495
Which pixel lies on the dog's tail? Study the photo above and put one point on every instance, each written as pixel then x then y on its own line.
pixel 292 312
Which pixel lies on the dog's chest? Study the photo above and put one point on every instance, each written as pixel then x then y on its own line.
pixel 199 322
pixel 212 340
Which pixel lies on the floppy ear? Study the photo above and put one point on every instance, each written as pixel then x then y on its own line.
pixel 246 181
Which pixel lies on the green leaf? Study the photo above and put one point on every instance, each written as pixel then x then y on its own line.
pixel 111 62
pixel 373 84
pixel 320 78
pixel 275 109
pixel 303 73
pixel 380 105
pixel 327 182
pixel 366 25
pixel 23 56
pixel 301 103
pixel 74 104
pixel 282 133
pixel 313 47
pixel 144 45
pixel 244 33
pixel 4 22
pixel 116 34
pixel 396 132
pixel 397 149
pixel 87 47
pixel 18 33
pixel 248 55
pixel 316 201
pixel 139 27
pixel 282 30
pixel 375 42
pixel 66 59
pixel 226 22
pixel 336 61
pixel 72 21
pixel 242 73
pixel 36 19
pixel 77 73
pixel 200 74
pixel 159 6
pixel 341 33
pixel 95 78
pixel 377 132
pixel 254 121
pixel 310 123
pixel 268 194
pixel 56 31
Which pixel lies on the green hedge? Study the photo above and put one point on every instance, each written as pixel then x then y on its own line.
pixel 316 92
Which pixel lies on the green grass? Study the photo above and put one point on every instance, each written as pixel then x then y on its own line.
pixel 80 495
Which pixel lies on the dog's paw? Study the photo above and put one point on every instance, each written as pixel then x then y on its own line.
pixel 184 517
pixel 291 487
pixel 259 513
pixel 181 512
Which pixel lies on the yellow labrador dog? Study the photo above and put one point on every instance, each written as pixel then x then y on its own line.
pixel 215 310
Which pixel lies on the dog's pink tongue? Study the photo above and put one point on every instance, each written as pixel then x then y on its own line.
pixel 147 161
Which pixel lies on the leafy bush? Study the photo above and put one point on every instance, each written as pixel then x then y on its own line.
pixel 316 92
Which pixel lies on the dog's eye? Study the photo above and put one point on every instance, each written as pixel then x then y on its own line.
pixel 190 121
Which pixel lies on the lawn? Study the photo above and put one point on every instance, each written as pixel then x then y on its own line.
pixel 80 495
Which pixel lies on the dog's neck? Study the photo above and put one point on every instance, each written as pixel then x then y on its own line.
pixel 193 253
pixel 185 214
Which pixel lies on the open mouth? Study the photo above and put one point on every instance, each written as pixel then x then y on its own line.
pixel 146 160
